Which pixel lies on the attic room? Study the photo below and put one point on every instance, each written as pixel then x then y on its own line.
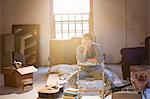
pixel 40 39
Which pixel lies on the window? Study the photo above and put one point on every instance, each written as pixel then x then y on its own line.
pixel 71 18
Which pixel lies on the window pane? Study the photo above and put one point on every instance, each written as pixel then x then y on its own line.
pixel 71 17
pixel 78 17
pixel 86 17
pixel 65 36
pixel 58 26
pixel 58 35
pixel 71 26
pixel 71 35
pixel 65 25
pixel 57 17
pixel 78 34
pixel 78 26
pixel 65 17
pixel 85 26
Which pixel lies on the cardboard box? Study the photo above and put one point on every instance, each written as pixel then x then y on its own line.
pixel 16 77
pixel 126 95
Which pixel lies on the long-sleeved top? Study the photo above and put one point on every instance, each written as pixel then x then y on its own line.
pixel 89 71
pixel 94 52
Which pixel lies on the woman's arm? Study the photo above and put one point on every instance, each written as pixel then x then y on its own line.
pixel 92 60
pixel 81 54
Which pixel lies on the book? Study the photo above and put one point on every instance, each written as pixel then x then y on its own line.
pixel 70 97
pixel 71 92
pixel 72 89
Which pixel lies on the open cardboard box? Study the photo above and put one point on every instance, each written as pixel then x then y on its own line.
pixel 15 77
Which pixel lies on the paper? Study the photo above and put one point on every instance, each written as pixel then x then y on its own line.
pixel 27 70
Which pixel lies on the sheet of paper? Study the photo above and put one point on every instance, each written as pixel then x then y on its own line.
pixel 27 70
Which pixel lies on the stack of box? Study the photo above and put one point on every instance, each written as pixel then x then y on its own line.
pixel 127 95
pixel 71 93
pixel 21 78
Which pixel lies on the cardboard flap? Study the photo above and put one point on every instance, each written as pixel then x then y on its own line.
pixel 27 70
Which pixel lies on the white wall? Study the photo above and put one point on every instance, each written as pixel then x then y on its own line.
pixel 137 22
pixel 29 12
pixel 119 24
pixel 109 27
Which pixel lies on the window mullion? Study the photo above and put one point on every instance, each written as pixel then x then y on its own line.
pixel 82 24
pixel 61 27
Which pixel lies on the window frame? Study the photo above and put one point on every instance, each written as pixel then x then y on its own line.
pixel 52 23
pixel 75 22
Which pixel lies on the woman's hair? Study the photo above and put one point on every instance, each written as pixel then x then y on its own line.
pixel 89 36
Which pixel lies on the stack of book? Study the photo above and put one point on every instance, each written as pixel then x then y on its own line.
pixel 71 93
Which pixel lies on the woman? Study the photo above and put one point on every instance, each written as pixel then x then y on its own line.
pixel 90 58
pixel 89 51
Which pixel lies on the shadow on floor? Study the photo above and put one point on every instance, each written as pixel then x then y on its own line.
pixel 9 90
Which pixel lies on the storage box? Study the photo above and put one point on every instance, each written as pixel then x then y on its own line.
pixel 18 77
pixel 126 95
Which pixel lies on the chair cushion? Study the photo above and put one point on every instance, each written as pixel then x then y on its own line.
pixel 140 79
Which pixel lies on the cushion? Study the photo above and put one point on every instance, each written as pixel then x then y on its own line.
pixel 140 79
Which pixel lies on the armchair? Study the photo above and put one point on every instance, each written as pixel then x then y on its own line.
pixel 139 56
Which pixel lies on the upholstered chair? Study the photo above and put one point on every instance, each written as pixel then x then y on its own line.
pixel 135 59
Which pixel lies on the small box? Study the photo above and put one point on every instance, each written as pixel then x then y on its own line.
pixel 21 77
pixel 126 95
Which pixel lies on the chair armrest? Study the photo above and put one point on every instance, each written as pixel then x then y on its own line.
pixel 147 46
pixel 132 56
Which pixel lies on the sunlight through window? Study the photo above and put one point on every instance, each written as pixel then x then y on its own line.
pixel 71 18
